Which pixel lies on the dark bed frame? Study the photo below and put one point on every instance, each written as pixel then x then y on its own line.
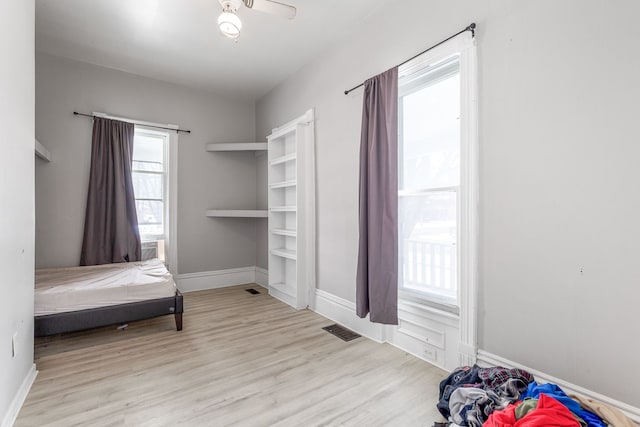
pixel 51 324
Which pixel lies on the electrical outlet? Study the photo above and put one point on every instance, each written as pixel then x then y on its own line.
pixel 430 354
pixel 14 345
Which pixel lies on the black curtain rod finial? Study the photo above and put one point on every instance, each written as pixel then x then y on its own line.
pixel 472 28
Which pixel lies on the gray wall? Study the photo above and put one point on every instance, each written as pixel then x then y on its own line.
pixel 262 229
pixel 205 180
pixel 559 174
pixel 16 195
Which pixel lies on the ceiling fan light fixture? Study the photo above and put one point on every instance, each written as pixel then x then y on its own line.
pixel 229 23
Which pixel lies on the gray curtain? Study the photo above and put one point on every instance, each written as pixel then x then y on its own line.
pixel 377 276
pixel 111 223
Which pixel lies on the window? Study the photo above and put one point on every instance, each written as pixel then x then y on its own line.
pixel 150 179
pixel 430 206
pixel 437 185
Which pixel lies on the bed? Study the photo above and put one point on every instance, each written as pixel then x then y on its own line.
pixel 78 298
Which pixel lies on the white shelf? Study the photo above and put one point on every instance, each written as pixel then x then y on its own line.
pixel 283 208
pixel 284 253
pixel 283 159
pixel 229 213
pixel 238 146
pixel 42 152
pixel 283 184
pixel 284 232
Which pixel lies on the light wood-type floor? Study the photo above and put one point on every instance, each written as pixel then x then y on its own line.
pixel 241 360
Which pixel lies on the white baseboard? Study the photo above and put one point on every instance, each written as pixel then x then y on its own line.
pixel 262 277
pixel 191 282
pixel 18 400
pixel 488 359
pixel 344 312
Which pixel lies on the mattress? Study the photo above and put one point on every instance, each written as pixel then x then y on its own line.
pixel 60 290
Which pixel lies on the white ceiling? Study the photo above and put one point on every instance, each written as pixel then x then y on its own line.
pixel 179 41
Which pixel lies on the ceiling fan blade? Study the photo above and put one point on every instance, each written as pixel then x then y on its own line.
pixel 272 7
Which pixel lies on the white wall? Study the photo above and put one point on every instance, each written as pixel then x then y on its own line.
pixel 559 174
pixel 16 197
pixel 205 180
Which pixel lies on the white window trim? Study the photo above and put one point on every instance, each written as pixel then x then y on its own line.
pixel 172 190
pixel 465 46
pixel 469 198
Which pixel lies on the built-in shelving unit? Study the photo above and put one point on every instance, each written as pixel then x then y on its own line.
pixel 42 152
pixel 291 200
pixel 256 147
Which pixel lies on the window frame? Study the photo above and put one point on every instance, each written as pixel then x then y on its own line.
pixel 463 47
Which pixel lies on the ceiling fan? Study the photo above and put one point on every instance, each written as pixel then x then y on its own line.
pixel 229 22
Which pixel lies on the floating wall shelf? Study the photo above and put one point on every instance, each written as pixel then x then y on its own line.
pixel 42 152
pixel 237 213
pixel 238 146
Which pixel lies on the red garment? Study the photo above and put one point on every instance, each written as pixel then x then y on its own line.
pixel 548 413
pixel 503 418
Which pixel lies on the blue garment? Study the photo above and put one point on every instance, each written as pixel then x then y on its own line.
pixel 592 419
pixel 534 389
pixel 557 393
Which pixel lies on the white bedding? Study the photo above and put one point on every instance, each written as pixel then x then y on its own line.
pixel 60 290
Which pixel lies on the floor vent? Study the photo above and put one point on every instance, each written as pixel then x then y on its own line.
pixel 341 332
pixel 252 291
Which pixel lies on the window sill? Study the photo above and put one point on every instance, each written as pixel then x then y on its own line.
pixel 426 303
pixel 150 238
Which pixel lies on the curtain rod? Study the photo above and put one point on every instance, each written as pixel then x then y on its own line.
pixel 471 27
pixel 75 113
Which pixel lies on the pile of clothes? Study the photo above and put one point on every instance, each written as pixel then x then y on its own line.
pixel 472 396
